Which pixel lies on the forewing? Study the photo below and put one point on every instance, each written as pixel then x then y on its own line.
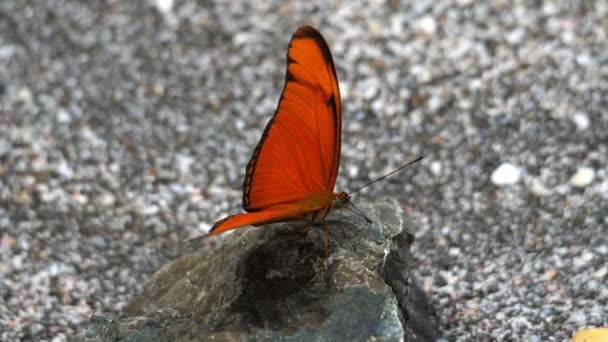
pixel 299 152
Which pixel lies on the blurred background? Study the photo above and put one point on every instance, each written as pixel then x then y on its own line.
pixel 125 128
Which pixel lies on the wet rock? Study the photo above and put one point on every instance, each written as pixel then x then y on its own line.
pixel 272 283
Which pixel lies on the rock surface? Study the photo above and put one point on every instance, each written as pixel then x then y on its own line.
pixel 272 283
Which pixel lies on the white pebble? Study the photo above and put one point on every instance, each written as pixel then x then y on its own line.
pixel 164 5
pixel 583 177
pixel 581 120
pixel 506 174
pixel 105 200
pixel 25 96
pixel 149 210
pixel 183 162
pixel 63 116
pixel 587 255
pixel 204 227
pixel 538 188
pixel 577 317
pixel 601 273
pixel 80 198
pixel 5 147
pixel 436 168
pixel 426 25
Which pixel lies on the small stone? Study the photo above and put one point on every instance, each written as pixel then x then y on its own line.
pixel 578 318
pixel 22 198
pixel 149 210
pixel 64 170
pixel 164 5
pixel 426 25
pixel 25 96
pixel 580 261
pixel 439 281
pixel 5 147
pixel 54 195
pixel 587 256
pixel 581 120
pixel 436 168
pixel 550 274
pixel 601 273
pixel 538 188
pixel 506 174
pixel 515 37
pixel 583 177
pixel 91 137
pixel 241 38
pixel 7 241
pixel 183 163
pixel 105 200
pixel 7 51
pixel 63 116
pixel 80 198
pixel 353 171
pixel 159 89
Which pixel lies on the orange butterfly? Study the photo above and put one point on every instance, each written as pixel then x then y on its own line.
pixel 294 167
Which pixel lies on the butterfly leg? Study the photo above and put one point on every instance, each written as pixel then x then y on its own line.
pixel 326 242
pixel 342 226
pixel 305 228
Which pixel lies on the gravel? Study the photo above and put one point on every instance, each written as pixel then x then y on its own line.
pixel 125 127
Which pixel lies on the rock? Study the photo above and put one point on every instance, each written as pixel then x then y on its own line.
pixel 275 284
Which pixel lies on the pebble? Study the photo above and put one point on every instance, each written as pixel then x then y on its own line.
pixel 5 147
pixel 506 174
pixel 63 116
pixel 436 168
pixel 581 120
pixel 105 199
pixel 183 163
pixel 538 188
pixel 578 318
pixel 25 96
pixel 426 25
pixel 164 5
pixel 601 273
pixel 583 177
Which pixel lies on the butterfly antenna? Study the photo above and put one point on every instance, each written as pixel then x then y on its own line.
pixel 388 174
pixel 355 212
pixel 358 211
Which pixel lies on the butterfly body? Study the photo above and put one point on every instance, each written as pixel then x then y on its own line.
pixel 293 169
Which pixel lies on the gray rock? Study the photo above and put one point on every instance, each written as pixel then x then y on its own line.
pixel 274 284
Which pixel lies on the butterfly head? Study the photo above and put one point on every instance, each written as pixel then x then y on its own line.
pixel 340 200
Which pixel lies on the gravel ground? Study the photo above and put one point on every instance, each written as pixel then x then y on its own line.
pixel 125 127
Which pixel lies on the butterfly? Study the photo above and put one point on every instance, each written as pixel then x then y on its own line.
pixel 293 169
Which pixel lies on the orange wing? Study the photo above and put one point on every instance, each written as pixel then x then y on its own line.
pixel 277 213
pixel 299 152
pixel 294 167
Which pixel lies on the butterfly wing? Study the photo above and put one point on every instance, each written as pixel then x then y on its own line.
pixel 277 213
pixel 294 167
pixel 256 218
pixel 299 152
